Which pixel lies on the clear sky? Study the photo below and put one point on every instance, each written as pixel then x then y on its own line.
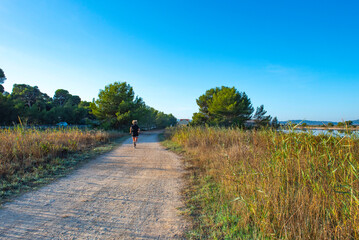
pixel 298 58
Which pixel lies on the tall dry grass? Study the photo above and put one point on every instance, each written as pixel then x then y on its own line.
pixel 22 149
pixel 266 184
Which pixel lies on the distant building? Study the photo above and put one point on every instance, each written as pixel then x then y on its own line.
pixel 183 122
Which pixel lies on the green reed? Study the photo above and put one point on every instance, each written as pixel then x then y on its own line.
pixel 274 184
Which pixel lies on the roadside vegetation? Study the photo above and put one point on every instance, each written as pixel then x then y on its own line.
pixel 266 184
pixel 34 150
pixel 226 106
pixel 30 157
pixel 115 108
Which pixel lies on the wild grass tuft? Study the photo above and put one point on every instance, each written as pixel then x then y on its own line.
pixel 267 184
pixel 28 156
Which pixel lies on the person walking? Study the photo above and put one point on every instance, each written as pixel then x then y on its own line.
pixel 134 131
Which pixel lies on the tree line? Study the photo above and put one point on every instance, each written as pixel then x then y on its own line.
pixel 227 106
pixel 28 104
pixel 115 108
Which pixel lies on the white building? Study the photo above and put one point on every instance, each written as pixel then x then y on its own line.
pixel 183 122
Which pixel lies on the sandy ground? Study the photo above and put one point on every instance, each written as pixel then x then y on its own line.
pixel 125 194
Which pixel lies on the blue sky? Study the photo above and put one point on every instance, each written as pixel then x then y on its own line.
pixel 298 58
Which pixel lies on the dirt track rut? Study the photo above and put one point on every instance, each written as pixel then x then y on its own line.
pixel 125 194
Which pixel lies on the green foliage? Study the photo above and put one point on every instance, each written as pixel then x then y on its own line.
pixel 2 76
pixel 116 105
pixel 275 123
pixel 34 107
pixel 61 97
pixel 150 118
pixel 340 124
pixel 260 118
pixel 6 110
pixel 223 106
pixel 198 119
pixel 348 123
pixel 146 117
pixel 204 101
pixel 330 124
pixel 164 120
pixel 26 93
pixel 304 124
pixel 74 101
pixel 2 80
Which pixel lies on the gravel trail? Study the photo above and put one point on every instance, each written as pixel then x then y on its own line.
pixel 125 194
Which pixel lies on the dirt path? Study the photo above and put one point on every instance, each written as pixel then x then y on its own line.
pixel 125 194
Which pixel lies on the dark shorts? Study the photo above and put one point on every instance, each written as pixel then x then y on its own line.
pixel 134 134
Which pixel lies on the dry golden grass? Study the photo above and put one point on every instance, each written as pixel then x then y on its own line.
pixel 22 149
pixel 274 185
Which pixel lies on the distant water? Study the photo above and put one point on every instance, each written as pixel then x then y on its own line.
pixel 316 132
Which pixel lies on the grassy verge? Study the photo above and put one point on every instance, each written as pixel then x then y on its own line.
pixel 269 185
pixel 31 158
pixel 209 218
